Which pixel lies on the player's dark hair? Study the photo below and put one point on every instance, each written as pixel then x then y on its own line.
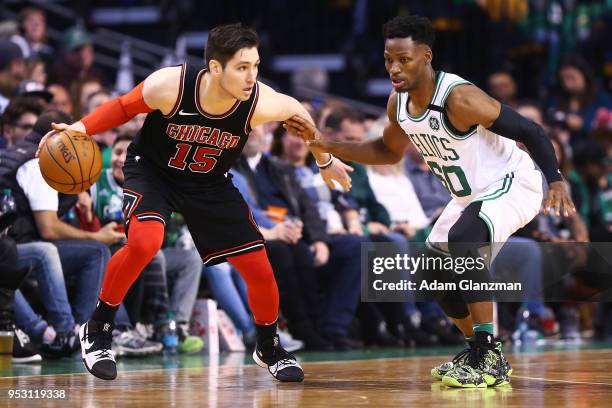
pixel 418 28
pixel 225 40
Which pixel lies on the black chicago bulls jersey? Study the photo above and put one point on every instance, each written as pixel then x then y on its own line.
pixel 189 144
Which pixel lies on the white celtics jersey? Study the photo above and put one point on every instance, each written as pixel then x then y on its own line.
pixel 466 162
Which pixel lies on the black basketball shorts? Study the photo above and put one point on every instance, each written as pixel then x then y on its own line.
pixel 219 220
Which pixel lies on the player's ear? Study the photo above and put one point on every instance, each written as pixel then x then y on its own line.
pixel 215 67
pixel 428 55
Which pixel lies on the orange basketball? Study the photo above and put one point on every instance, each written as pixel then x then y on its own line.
pixel 70 162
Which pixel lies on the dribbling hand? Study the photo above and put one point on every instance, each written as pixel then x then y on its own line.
pixel 56 127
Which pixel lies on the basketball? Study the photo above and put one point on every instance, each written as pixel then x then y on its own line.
pixel 70 162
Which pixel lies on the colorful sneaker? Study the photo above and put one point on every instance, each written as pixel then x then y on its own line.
pixel 464 376
pixel 440 371
pixel 188 343
pixel 506 365
pixel 282 365
pixel 482 363
pixel 96 339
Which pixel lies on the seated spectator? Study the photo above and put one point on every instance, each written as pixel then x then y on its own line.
pixel 83 255
pixel 591 185
pixel 577 98
pixel 502 86
pixel 105 139
pixel 33 34
pixel 394 190
pixel 278 191
pixel 19 117
pixel 11 277
pixel 12 71
pixel 36 71
pixel 77 60
pixel 61 99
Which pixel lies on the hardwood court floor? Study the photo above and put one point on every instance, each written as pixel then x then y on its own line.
pixel 574 378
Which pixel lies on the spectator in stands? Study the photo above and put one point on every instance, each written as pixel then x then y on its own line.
pixel 106 139
pixel 502 86
pixel 11 277
pixel 77 62
pixel 82 90
pixel 18 170
pixel 36 70
pixel 33 30
pixel 19 118
pixel 12 71
pixel 61 99
pixel 577 98
pixel 591 190
pixel 277 190
pixel 83 254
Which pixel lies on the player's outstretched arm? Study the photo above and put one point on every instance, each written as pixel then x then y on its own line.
pixel 158 91
pixel 468 106
pixel 387 149
pixel 273 106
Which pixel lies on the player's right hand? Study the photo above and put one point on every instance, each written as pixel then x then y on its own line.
pixel 56 127
pixel 109 235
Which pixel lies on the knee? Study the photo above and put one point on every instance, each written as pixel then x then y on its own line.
pixel 146 242
pixel 217 272
pixel 47 252
pixel 101 250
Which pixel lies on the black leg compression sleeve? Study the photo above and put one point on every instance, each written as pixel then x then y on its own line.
pixel 453 305
pixel 450 301
pixel 465 238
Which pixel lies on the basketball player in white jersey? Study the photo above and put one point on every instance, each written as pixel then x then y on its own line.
pixel 468 139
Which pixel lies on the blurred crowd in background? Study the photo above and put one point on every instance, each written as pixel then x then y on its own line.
pixel 550 60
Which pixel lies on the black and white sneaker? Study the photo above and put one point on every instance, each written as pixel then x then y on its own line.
pixel 23 349
pixel 281 364
pixel 96 339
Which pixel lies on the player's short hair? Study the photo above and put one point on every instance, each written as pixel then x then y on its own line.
pixel 418 28
pixel 224 41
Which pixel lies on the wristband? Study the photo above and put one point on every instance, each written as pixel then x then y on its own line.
pixel 326 164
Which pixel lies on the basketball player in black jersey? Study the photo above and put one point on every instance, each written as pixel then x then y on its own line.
pixel 199 117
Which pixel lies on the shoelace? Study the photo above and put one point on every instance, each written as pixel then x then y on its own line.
pixel 480 354
pixel 102 341
pixel 461 355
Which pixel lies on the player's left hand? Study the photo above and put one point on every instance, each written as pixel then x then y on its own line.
pixel 338 172
pixel 558 201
